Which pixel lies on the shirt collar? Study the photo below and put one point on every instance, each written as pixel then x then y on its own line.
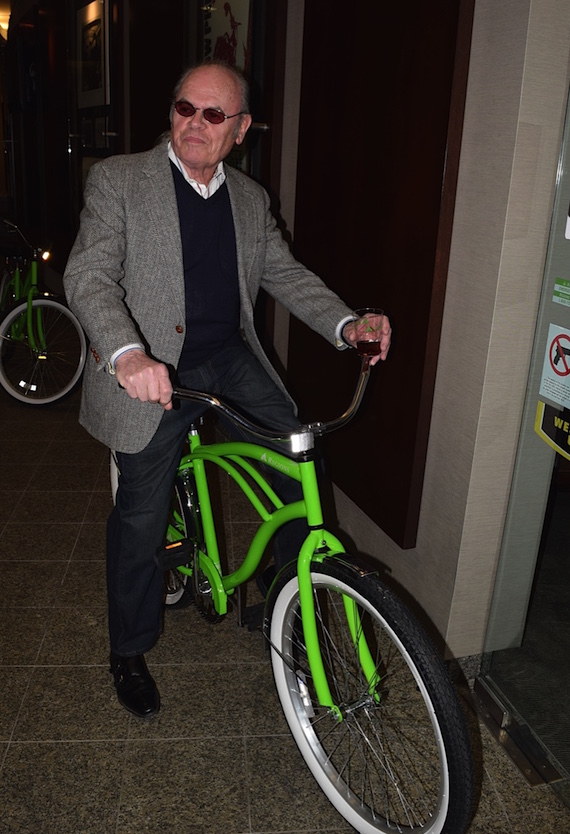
pixel 204 190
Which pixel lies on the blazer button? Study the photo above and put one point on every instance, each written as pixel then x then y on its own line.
pixel 179 328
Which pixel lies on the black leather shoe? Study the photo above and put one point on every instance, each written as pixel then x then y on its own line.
pixel 136 689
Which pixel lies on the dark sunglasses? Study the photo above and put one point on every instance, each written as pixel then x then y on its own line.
pixel 215 117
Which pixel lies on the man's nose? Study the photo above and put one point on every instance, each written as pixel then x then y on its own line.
pixel 197 120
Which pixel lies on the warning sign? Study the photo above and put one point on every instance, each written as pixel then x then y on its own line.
pixel 553 425
pixel 555 382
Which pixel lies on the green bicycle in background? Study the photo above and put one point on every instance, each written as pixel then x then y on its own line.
pixel 365 694
pixel 42 345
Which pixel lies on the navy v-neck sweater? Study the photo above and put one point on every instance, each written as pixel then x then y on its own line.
pixel 210 272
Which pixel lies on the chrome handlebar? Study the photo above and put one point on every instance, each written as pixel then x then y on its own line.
pixel 12 227
pixel 301 439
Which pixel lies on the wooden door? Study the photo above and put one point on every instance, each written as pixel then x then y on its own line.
pixel 382 102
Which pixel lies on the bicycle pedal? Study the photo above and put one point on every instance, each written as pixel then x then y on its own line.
pixel 174 554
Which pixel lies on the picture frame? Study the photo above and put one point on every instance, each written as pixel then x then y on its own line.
pixel 93 87
pixel 226 32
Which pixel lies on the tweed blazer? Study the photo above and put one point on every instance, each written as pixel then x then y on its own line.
pixel 125 282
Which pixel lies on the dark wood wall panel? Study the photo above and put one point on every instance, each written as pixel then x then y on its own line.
pixel 381 114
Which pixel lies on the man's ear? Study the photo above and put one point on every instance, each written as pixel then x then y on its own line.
pixel 244 125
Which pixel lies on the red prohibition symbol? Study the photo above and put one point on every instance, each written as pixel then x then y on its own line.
pixel 560 355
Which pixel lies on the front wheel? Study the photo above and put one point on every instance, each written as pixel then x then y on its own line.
pixel 396 756
pixel 42 351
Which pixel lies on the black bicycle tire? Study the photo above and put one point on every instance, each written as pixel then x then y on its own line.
pixel 322 740
pixel 25 379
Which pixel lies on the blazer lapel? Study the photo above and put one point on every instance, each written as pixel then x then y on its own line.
pixel 244 217
pixel 160 198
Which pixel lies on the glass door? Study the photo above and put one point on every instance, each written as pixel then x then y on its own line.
pixel 525 674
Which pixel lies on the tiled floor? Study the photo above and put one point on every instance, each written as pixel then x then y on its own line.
pixel 72 760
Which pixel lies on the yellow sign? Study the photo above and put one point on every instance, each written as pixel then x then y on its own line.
pixel 553 425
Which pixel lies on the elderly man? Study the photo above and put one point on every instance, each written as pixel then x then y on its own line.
pixel 172 250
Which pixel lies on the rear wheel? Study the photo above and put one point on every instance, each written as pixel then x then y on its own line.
pixel 396 757
pixel 42 366
pixel 181 525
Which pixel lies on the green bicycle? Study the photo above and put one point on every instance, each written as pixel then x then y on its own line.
pixel 364 692
pixel 42 345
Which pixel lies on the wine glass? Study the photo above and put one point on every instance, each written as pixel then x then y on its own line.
pixel 369 331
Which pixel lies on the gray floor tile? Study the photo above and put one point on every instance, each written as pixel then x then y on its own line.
pixel 82 453
pixel 51 506
pixel 13 684
pixel 14 476
pixel 38 542
pixel 76 636
pixel 25 451
pixel 99 507
pixel 90 542
pixel 71 703
pixel 22 631
pixel 103 483
pixel 79 478
pixel 8 500
pixel 61 788
pixel 30 584
pixel 197 701
pixel 203 788
pixel 83 584
pixel 69 431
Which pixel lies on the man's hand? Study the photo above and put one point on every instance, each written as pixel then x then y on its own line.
pixel 144 379
pixel 352 329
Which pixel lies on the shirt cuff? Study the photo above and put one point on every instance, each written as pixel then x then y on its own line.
pixel 120 351
pixel 340 343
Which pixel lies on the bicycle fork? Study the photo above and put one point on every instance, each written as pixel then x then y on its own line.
pixel 35 323
pixel 316 547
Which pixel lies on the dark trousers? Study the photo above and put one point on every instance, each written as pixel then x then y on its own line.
pixel 137 523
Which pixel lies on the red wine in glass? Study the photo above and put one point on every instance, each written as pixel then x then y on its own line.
pixel 369 332
pixel 368 349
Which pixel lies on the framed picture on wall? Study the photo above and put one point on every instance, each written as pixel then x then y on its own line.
pixel 226 32
pixel 92 55
pixel 225 36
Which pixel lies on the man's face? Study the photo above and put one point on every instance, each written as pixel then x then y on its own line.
pixel 198 144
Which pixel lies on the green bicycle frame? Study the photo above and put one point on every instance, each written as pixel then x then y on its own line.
pixel 234 458
pixel 24 285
